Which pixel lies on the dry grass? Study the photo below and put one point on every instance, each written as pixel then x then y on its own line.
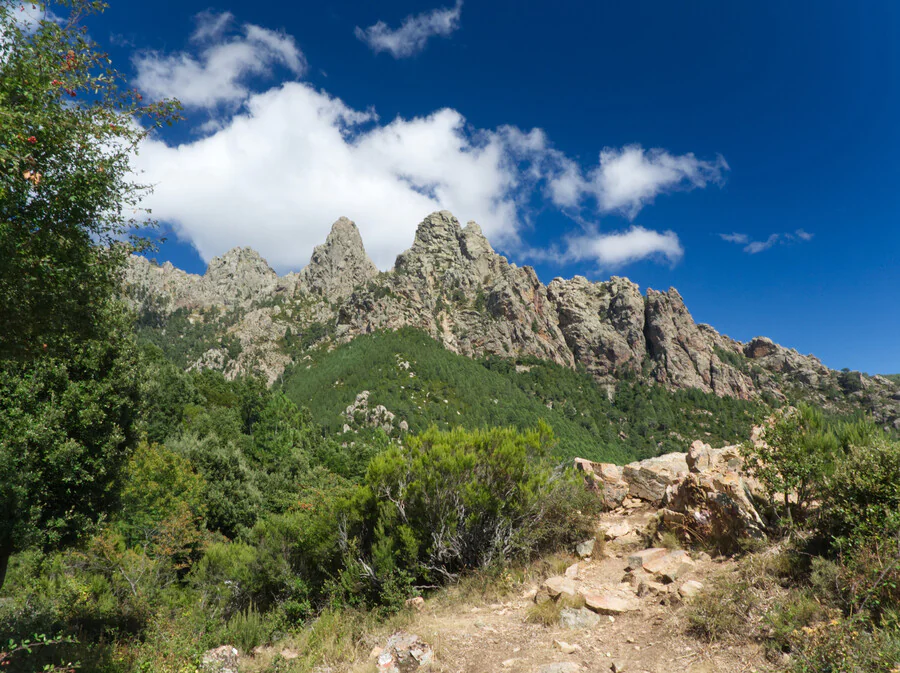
pixel 336 639
pixel 669 540
pixel 547 613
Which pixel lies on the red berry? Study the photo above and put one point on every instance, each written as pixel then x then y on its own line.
pixel 32 139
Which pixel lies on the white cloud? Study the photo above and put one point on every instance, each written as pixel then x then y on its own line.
pixel 627 179
pixel 275 172
pixel 276 176
pixel 218 74
pixel 611 250
pixel 758 246
pixel 411 37
pixel 754 247
pixel 735 238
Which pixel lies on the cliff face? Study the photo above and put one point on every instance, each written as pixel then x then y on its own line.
pixel 454 286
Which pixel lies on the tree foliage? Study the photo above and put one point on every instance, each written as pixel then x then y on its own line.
pixel 68 385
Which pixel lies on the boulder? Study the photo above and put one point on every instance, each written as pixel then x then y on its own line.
pixel 607 604
pixel 702 457
pixel 649 479
pixel 671 566
pixel 606 479
pixel 617 530
pixel 558 585
pixel 638 559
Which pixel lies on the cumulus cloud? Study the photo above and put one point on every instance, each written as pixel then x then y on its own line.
pixel 277 175
pixel 610 250
pixel 218 74
pixel 275 171
pixel 627 179
pixel 413 34
pixel 753 247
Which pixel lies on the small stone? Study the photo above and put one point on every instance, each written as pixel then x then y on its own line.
pixel 289 654
pixel 617 666
pixel 508 663
pixel 577 618
pixel 638 559
pixel 690 588
pixel 567 648
pixel 416 603
pixel 585 549
pixel 572 571
pixel 561 667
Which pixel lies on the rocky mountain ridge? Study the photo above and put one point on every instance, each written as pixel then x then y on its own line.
pixel 455 287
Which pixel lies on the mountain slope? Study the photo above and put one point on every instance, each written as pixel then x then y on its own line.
pixel 420 383
pixel 241 317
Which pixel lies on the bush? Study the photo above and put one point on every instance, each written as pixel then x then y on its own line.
pixel 460 500
pixel 247 629
pixel 791 463
pixel 844 645
pixel 861 500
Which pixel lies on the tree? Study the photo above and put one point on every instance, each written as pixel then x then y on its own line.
pixel 68 200
pixel 797 452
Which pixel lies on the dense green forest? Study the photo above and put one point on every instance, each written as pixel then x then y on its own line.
pixel 421 382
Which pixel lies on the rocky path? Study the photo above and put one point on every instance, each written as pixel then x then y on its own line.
pixel 635 618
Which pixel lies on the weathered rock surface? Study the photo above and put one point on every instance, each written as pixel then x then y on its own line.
pixel 339 265
pixel 222 659
pixel 603 323
pixel 404 653
pixel 577 618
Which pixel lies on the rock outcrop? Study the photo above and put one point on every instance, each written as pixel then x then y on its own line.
pixel 339 265
pixel 452 284
pixel 603 323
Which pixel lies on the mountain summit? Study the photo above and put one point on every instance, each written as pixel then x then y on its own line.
pixel 452 285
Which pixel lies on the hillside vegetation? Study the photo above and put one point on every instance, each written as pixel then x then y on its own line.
pixel 446 390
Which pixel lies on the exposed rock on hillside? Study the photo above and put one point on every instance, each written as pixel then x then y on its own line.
pixel 603 323
pixel 455 287
pixel 338 265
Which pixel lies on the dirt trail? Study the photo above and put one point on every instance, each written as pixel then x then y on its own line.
pixel 470 638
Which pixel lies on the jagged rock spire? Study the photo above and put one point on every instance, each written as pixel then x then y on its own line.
pixel 339 264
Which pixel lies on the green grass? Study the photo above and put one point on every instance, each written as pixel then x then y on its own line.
pixel 451 390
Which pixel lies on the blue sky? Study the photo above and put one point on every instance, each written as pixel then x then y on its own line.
pixel 591 138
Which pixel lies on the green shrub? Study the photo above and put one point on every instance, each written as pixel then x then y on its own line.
pixel 792 462
pixel 247 629
pixel 453 501
pixel 861 500
pixel 845 646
